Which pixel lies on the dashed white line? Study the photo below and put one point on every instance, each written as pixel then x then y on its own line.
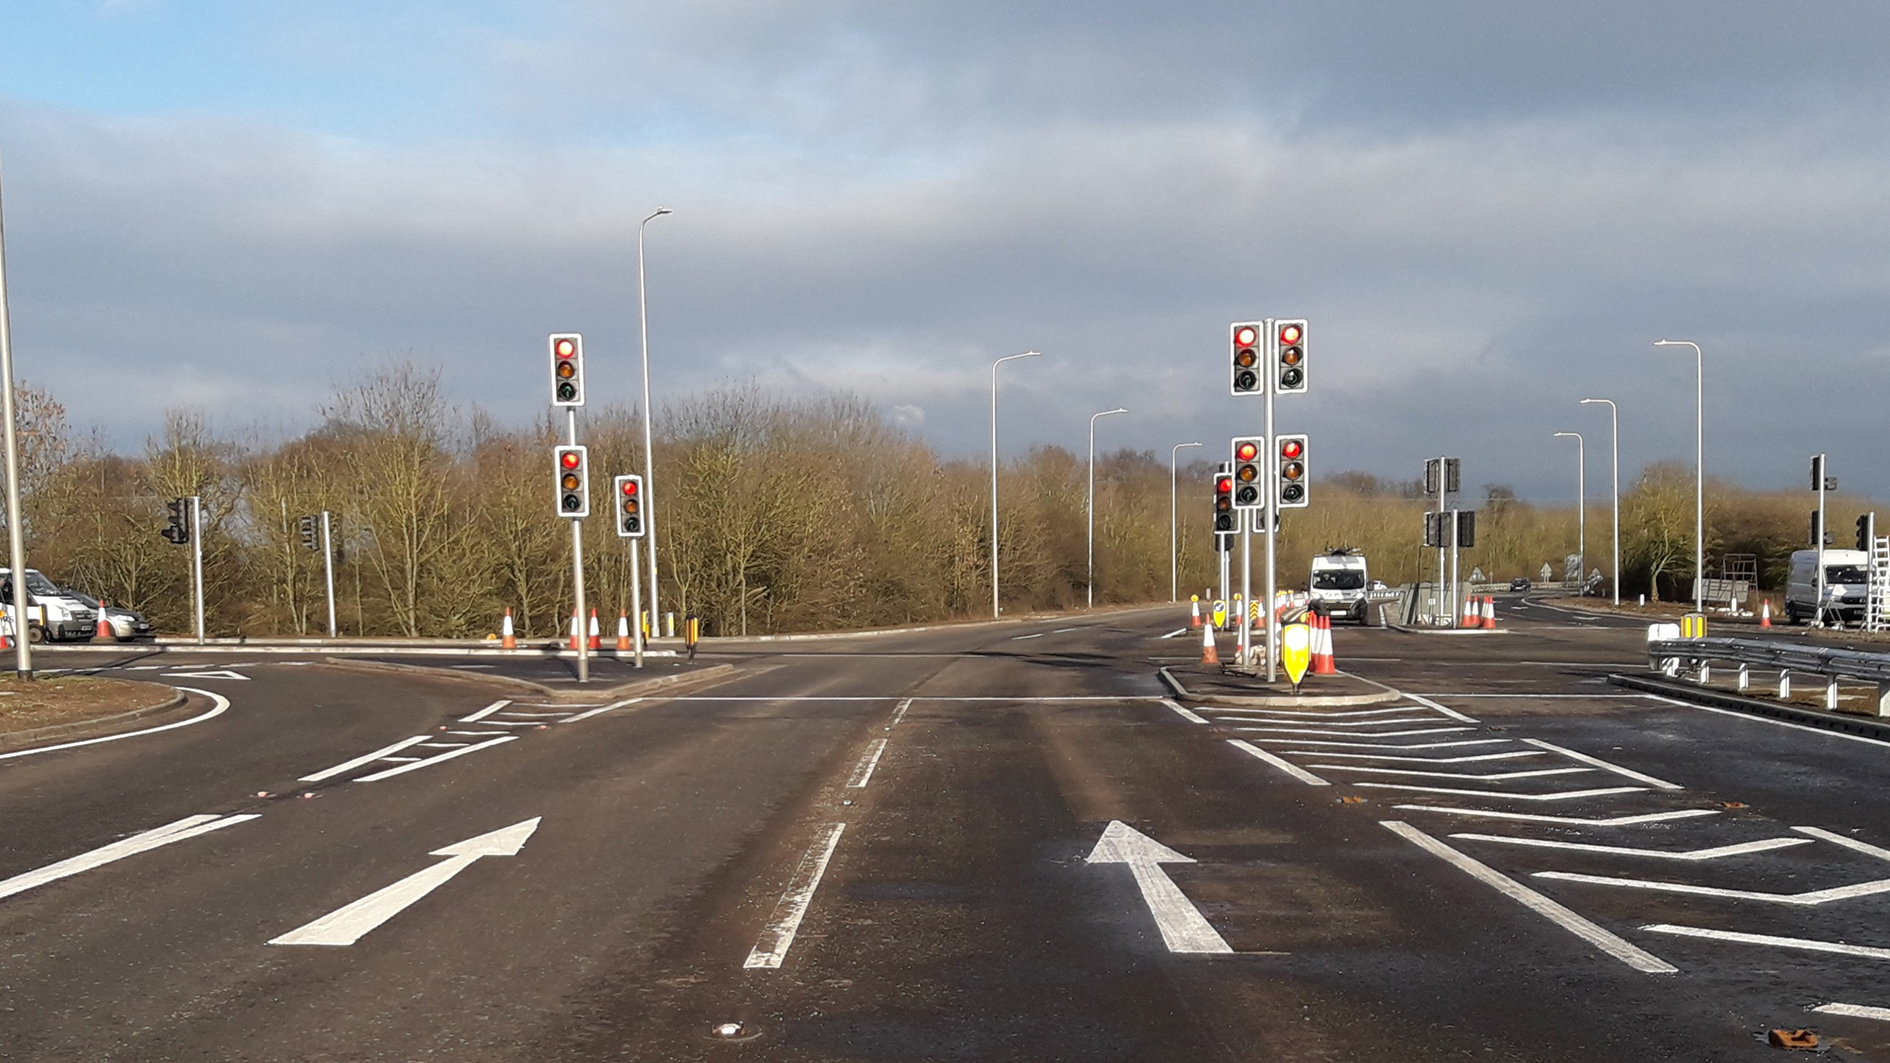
pixel 1020 638
pixel 1286 766
pixel 868 761
pixel 367 758
pixel 778 936
pixel 391 772
pixel 1694 855
pixel 1770 940
pixel 1604 765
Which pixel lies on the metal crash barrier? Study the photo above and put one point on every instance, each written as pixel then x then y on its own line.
pixel 1671 655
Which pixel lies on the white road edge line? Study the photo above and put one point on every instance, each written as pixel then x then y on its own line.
pixel 778 935
pixel 222 706
pixel 1768 719
pixel 1295 771
pixel 1604 765
pixel 1770 940
pixel 1610 943
pixel 188 827
pixel 487 711
pixel 1186 714
pixel 600 710
pixel 367 758
pixel 864 770
pixel 1428 703
pixel 404 768
pixel 1855 1011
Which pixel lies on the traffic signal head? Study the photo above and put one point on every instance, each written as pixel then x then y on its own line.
pixel 1248 341
pixel 1223 502
pixel 1289 356
pixel 308 532
pixel 567 369
pixel 1290 454
pixel 1248 473
pixel 179 529
pixel 627 493
pixel 1866 530
pixel 574 478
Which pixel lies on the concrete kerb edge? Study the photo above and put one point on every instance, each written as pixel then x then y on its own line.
pixel 1859 725
pixel 15 739
pixel 1272 701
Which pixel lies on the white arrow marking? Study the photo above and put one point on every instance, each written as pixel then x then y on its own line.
pixel 1741 849
pixel 1808 899
pixel 1535 773
pixel 1573 821
pixel 1865 951
pixel 1565 795
pixel 347 924
pixel 188 827
pixel 204 675
pixel 1284 765
pixel 1183 929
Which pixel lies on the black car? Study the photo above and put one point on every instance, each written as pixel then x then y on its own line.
pixel 1519 584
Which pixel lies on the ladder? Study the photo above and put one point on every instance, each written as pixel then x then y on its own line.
pixel 1877 598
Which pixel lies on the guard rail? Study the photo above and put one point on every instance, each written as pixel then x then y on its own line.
pixel 1672 656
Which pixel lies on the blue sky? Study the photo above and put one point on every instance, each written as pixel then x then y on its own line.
pixel 1488 210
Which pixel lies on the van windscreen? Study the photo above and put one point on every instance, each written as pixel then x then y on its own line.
pixel 1844 574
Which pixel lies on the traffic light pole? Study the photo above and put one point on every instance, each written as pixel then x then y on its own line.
pixel 1244 643
pixel 16 542
pixel 636 600
pixel 577 568
pixel 1271 513
pixel 328 567
pixel 196 560
pixel 1820 462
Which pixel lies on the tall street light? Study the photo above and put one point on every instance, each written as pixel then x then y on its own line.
pixel 16 543
pixel 1090 594
pixel 1174 543
pixel 1614 415
pixel 1699 470
pixel 649 415
pixel 1581 504
pixel 994 470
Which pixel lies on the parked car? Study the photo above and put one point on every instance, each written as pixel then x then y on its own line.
pixel 1519 584
pixel 128 625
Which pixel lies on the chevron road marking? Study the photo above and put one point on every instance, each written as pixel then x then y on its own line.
pixel 1715 853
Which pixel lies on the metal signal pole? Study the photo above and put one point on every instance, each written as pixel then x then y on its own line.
pixel 196 559
pixel 577 567
pixel 328 568
pixel 16 540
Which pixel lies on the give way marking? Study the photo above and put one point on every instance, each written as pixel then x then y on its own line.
pixel 347 924
pixel 1182 926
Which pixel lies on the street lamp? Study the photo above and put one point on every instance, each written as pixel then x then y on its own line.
pixel 994 470
pixel 16 543
pixel 1699 469
pixel 1614 414
pixel 1174 544
pixel 649 415
pixel 1581 505
pixel 1090 593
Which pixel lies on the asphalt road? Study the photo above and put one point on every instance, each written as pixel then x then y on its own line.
pixel 887 848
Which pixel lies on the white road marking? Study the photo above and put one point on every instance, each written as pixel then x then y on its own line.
pixel 404 760
pixel 404 768
pixel 1180 922
pixel 1564 795
pixel 1177 633
pixel 1416 760
pixel 495 721
pixel 1809 899
pixel 1291 715
pixel 1330 723
pixel 1289 768
pixel 521 714
pixel 480 734
pixel 487 711
pixel 195 675
pixel 1770 940
pixel 1572 821
pixel 367 758
pixel 1694 855
pixel 1186 714
pixel 1855 1011
pixel 899 713
pixel 1429 704
pixel 1020 638
pixel 1065 630
pixel 864 770
pixel 1612 944
pixel 778 936
pixel 1358 734
pixel 442 745
pixel 1495 777
pixel 188 827
pixel 1848 843
pixel 222 705
pixel 347 924
pixel 1519 697
pixel 601 709
pixel 1401 745
pixel 1768 719
pixel 1604 765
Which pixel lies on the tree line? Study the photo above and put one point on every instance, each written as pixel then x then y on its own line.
pixel 772 514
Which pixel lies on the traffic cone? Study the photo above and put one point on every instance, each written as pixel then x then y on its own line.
pixel 1470 617
pixel 596 643
pixel 1208 653
pixel 623 632
pixel 507 640
pixel 1194 610
pixel 1765 613
pixel 1322 663
pixel 104 633
pixel 1489 612
pixel 576 627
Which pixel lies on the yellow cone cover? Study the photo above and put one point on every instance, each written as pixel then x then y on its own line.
pixel 1295 650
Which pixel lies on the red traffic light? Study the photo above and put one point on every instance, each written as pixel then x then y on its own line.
pixel 1247 451
pixel 1290 448
pixel 570 459
pixel 1224 484
pixel 564 348
pixel 629 487
pixel 1289 334
pixel 1245 336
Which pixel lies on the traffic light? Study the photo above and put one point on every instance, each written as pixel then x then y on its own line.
pixel 1866 530
pixel 628 491
pixel 1291 455
pixel 1289 357
pixel 179 530
pixel 1224 507
pixel 1817 471
pixel 308 533
pixel 574 481
pixel 1246 340
pixel 567 369
pixel 1249 475
pixel 1466 527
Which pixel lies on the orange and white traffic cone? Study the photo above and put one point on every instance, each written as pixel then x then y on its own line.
pixel 1489 612
pixel 1209 655
pixel 1765 613
pixel 104 633
pixel 623 632
pixel 577 628
pixel 507 638
pixel 1322 662
pixel 1194 610
pixel 596 642
pixel 1470 618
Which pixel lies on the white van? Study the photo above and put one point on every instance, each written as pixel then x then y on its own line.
pixel 1341 583
pixel 52 614
pixel 1846 582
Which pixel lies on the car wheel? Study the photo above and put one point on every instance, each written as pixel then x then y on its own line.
pixel 35 634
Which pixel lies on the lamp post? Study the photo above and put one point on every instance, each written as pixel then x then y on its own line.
pixel 1614 432
pixel 1699 469
pixel 649 415
pixel 1090 592
pixel 16 543
pixel 994 471
pixel 1581 505
pixel 1174 543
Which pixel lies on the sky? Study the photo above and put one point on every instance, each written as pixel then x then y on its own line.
pixel 1486 211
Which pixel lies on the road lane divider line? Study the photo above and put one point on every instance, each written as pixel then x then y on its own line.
pixel 1808 899
pixel 188 827
pixel 1415 760
pixel 221 705
pixel 1854 1011
pixel 487 711
pixel 601 709
pixel 404 768
pixel 1630 773
pixel 367 758
pixel 1849 843
pixel 1177 633
pixel 1561 795
pixel 864 770
pixel 1770 940
pixel 778 935
pixel 1501 776
pixel 1693 855
pixel 1607 941
pixel 1186 714
pixel 1359 734
pixel 1429 704
pixel 1572 821
pixel 1020 638
pixel 1284 765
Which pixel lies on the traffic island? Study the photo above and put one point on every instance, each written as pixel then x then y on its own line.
pixel 1209 684
pixel 76 706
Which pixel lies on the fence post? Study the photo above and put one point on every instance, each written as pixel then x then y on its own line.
pixel 1830 693
pixel 1784 684
pixel 1883 698
pixel 1745 676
